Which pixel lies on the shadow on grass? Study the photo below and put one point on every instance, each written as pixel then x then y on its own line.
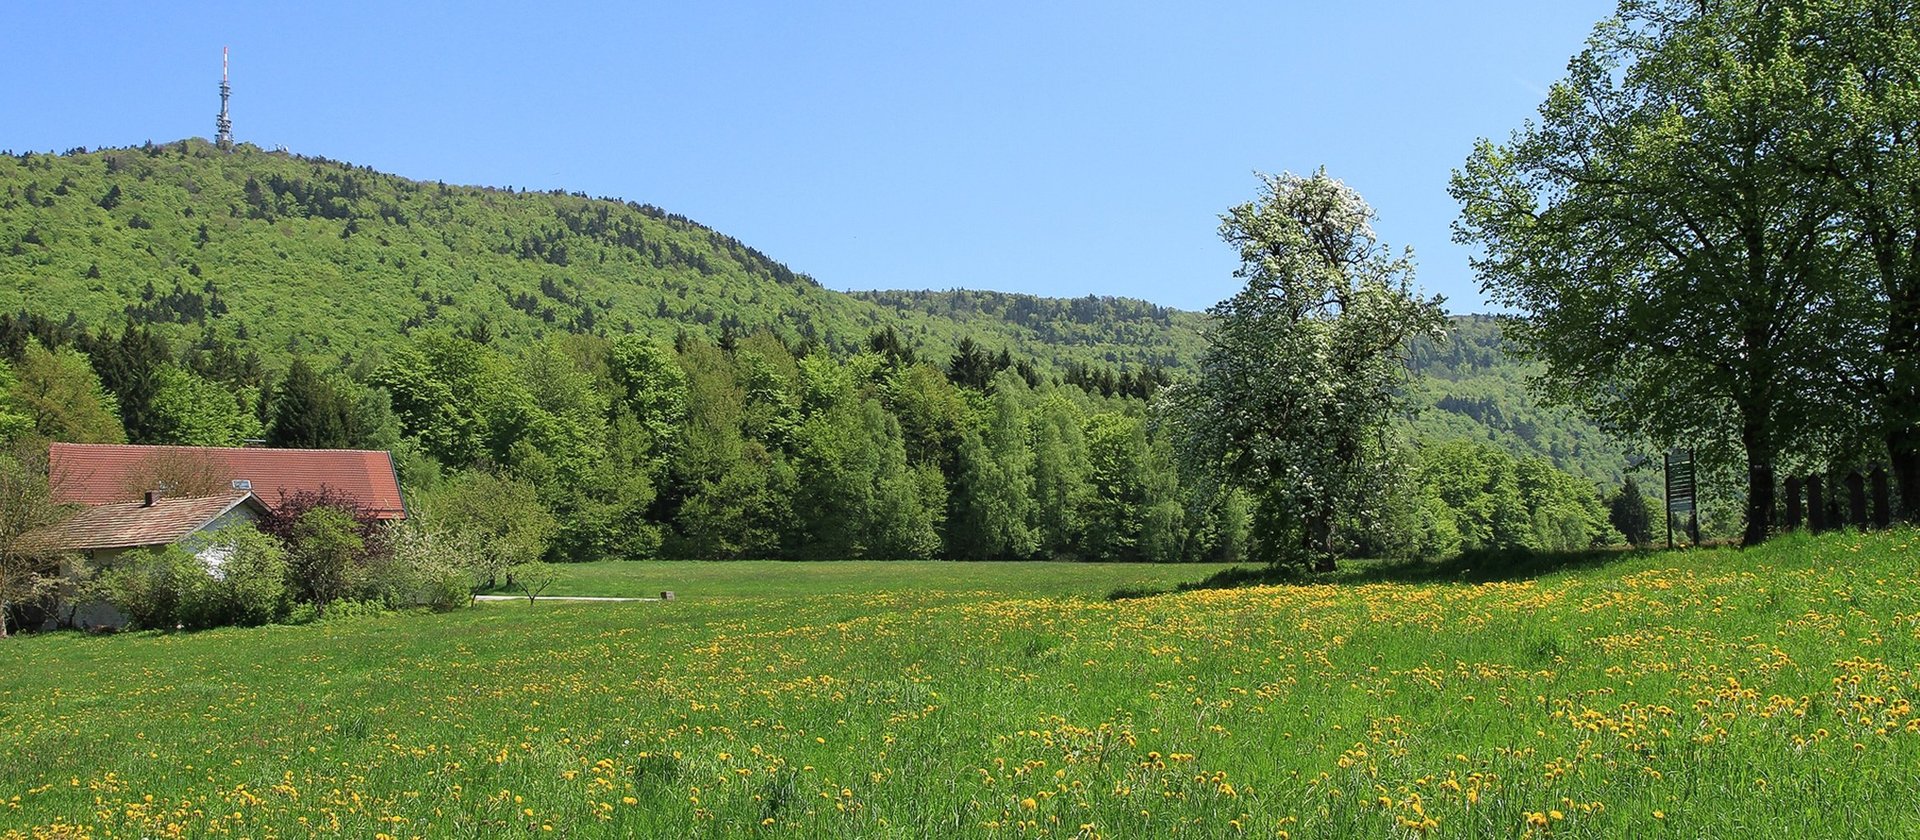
pixel 1470 567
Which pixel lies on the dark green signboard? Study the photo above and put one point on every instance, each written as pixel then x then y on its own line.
pixel 1682 481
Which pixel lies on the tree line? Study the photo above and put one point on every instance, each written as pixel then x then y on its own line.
pixel 746 448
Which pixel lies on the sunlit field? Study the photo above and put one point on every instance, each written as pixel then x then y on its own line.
pixel 780 579
pixel 1719 693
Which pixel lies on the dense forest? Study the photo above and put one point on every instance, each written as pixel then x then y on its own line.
pixel 1472 388
pixel 291 255
pixel 621 382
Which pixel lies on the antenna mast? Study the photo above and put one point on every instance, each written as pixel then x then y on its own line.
pixel 223 125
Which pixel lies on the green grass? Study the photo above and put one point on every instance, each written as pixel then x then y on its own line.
pixel 1719 693
pixel 700 580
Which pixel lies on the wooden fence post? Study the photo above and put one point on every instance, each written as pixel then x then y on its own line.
pixel 1816 505
pixel 1793 504
pixel 1857 500
pixel 1882 500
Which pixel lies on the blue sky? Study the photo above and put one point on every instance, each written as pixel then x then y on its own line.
pixel 1053 148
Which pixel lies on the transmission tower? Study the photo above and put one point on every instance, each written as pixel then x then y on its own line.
pixel 223 124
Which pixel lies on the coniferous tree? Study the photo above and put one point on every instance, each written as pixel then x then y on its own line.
pixel 129 368
pixel 307 412
pixel 1627 511
pixel 886 341
pixel 970 367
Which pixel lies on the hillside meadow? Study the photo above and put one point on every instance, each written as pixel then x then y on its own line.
pixel 1763 693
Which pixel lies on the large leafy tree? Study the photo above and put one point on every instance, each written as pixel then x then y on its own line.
pixel 1061 466
pixel 13 422
pixel 1133 508
pixel 1305 366
pixel 26 575
pixel 725 494
pixel 862 498
pixel 993 498
pixel 191 410
pixel 1677 268
pixel 59 392
pixel 501 516
pixel 654 386
pixel 1864 73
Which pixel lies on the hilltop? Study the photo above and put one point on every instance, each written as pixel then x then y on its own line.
pixel 289 254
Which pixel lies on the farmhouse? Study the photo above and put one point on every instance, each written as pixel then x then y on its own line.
pixel 98 474
pixel 136 497
pixel 103 532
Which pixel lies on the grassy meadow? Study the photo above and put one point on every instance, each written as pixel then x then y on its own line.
pixel 1765 693
pixel 733 579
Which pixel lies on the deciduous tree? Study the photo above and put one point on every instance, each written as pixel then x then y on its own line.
pixel 1863 71
pixel 193 411
pixel 64 398
pixel 1678 270
pixel 27 574
pixel 1305 366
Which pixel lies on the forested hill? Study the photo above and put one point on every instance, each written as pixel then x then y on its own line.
pixel 1163 336
pixel 1474 389
pixel 291 255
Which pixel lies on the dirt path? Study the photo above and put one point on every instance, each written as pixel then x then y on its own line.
pixel 560 598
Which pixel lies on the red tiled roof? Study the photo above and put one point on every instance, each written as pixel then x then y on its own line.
pixel 135 524
pixel 99 473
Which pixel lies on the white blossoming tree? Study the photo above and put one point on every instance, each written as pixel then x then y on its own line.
pixel 1306 366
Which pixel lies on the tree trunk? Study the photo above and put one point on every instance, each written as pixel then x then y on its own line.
pixel 1903 397
pixel 1320 538
pixel 1757 436
pixel 1903 449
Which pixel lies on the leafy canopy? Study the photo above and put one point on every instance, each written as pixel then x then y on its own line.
pixel 1305 366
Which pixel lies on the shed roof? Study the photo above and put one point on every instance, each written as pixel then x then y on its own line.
pixel 100 473
pixel 135 524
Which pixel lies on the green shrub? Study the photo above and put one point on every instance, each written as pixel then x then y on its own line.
pixel 435 566
pixel 301 613
pixel 158 588
pixel 347 609
pixel 444 589
pixel 388 579
pixel 249 584
pixel 235 575
pixel 325 555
